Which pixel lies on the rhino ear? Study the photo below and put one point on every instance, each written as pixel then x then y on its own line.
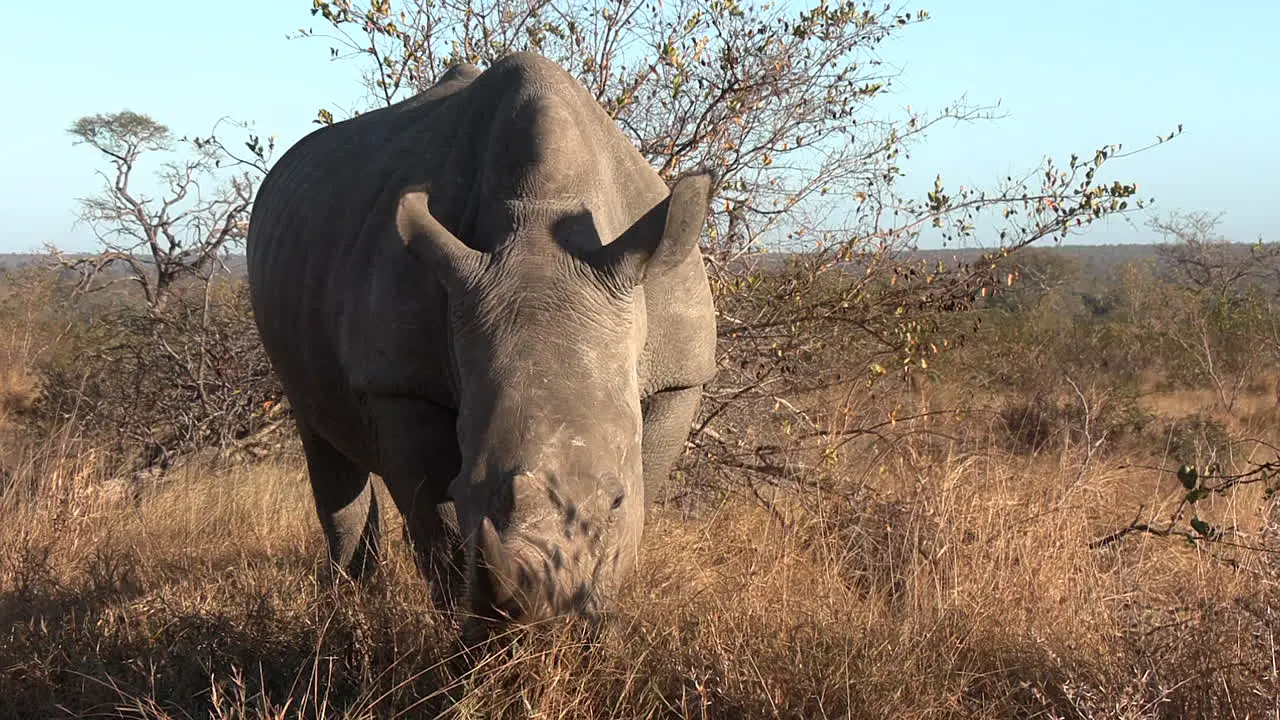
pixel 664 236
pixel 432 243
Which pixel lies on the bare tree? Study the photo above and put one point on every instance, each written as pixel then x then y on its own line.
pixel 182 370
pixel 1205 260
pixel 1221 310
pixel 782 99
pixel 181 234
pixel 787 101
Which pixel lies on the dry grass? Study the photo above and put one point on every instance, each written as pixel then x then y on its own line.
pixel 19 384
pixel 959 587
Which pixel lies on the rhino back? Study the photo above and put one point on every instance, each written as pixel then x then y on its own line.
pixel 583 155
pixel 341 306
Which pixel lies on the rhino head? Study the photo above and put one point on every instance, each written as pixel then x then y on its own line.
pixel 547 342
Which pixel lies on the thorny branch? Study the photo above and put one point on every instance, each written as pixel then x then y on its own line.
pixel 1198 531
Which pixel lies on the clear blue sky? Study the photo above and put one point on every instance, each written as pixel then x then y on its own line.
pixel 1070 76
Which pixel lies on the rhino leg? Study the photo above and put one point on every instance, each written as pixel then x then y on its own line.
pixel 346 504
pixel 418 451
pixel 667 416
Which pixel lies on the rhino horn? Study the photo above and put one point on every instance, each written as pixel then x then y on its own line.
pixel 432 242
pixel 496 557
pixel 664 236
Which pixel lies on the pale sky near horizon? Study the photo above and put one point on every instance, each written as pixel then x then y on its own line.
pixel 1069 76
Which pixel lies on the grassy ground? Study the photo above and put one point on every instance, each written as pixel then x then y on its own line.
pixel 937 583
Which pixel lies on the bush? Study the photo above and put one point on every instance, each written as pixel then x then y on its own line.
pixel 151 386
pixel 1197 439
pixel 1033 423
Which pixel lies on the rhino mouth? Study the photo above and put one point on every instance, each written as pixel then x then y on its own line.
pixel 525 580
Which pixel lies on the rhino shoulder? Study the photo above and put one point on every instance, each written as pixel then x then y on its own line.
pixel 393 336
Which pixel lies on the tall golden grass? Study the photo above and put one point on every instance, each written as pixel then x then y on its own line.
pixel 936 575
pixel 934 584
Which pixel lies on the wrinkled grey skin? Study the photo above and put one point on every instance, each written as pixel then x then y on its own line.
pixel 486 296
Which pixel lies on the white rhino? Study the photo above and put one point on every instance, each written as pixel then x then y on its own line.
pixel 486 296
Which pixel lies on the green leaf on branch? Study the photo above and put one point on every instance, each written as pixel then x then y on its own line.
pixel 1196 495
pixel 1189 476
pixel 1206 530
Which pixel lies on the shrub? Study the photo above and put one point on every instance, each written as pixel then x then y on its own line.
pixel 1032 423
pixel 151 386
pixel 1197 439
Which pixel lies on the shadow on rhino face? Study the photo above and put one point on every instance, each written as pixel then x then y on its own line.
pixel 578 235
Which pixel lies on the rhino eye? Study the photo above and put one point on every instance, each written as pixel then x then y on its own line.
pixel 617 501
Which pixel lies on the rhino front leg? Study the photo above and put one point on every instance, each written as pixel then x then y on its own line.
pixel 418 455
pixel 667 416
pixel 345 503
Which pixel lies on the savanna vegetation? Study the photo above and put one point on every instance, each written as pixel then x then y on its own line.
pixel 1004 484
